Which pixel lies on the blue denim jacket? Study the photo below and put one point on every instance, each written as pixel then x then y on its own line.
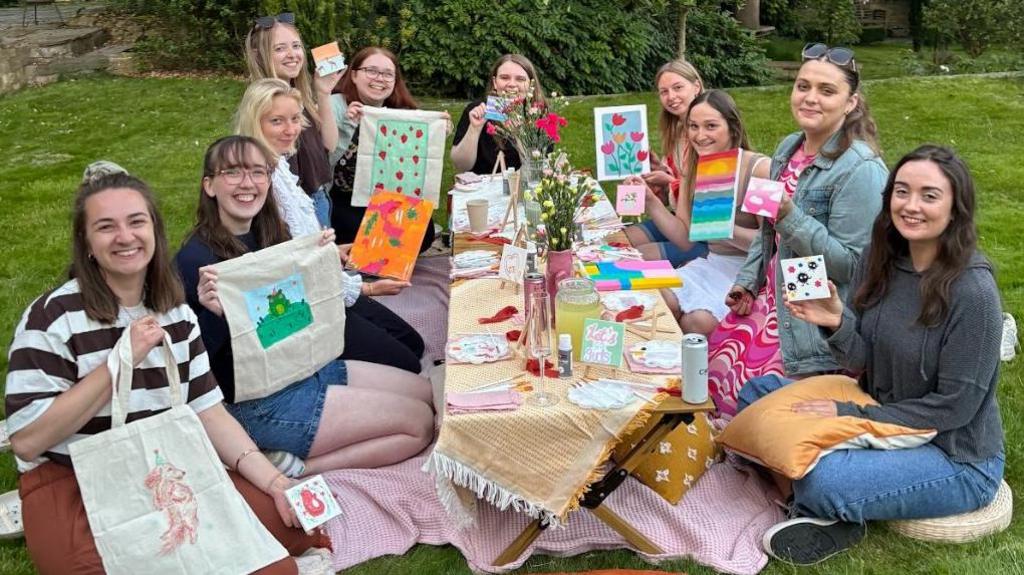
pixel 834 208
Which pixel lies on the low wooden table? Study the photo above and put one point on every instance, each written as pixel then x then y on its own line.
pixel 664 418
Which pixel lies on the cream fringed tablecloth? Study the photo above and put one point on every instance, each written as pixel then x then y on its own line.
pixel 538 460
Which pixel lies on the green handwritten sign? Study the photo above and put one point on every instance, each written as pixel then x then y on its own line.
pixel 602 342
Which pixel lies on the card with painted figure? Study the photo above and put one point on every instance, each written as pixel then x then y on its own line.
pixel 313 502
pixel 805 278
pixel 329 59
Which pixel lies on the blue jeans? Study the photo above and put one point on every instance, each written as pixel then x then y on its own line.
pixel 858 485
pixel 288 420
pixel 322 205
pixel 676 255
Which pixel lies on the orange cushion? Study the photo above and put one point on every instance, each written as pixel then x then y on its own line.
pixel 770 433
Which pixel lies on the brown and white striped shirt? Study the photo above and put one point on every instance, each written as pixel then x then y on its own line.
pixel 56 345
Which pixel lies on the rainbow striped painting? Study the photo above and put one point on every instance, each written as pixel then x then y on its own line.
pixel 714 196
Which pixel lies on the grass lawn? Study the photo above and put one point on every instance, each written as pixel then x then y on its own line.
pixel 159 128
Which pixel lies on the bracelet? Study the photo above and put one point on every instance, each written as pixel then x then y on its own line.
pixel 243 455
pixel 369 288
pixel 271 482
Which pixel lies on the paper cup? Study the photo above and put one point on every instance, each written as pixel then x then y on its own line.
pixel 477 215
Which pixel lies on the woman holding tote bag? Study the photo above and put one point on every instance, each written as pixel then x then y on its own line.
pixel 59 388
pixel 347 414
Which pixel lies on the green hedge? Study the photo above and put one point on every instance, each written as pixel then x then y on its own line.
pixel 447 46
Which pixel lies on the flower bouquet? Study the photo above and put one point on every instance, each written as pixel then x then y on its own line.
pixel 560 197
pixel 531 125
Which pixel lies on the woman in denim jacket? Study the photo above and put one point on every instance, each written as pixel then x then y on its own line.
pixel 834 179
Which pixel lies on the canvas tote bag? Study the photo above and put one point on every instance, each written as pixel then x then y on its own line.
pixel 400 151
pixel 156 494
pixel 285 311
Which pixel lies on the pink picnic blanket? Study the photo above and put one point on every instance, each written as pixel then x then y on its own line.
pixel 718 523
pixel 425 304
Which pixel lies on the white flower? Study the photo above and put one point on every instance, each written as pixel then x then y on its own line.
pixel 691 452
pixel 661 475
pixel 664 448
pixel 944 68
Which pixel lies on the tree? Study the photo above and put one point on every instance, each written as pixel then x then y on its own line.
pixel 831 21
pixel 972 23
pixel 683 7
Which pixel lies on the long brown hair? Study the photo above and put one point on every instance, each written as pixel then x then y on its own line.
pixel 400 97
pixel 858 124
pixel 671 127
pixel 726 106
pixel 267 227
pixel 161 290
pixel 259 62
pixel 957 244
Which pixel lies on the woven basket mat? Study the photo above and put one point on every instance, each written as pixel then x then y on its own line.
pixel 537 458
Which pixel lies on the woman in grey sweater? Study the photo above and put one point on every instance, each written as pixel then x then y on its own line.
pixel 922 330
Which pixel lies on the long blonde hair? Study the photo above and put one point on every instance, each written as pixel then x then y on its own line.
pixel 256 102
pixel 259 62
pixel 672 127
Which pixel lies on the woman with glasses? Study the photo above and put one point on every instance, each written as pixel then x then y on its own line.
pixel 350 413
pixel 474 150
pixel 372 79
pixel 274 49
pixel 833 179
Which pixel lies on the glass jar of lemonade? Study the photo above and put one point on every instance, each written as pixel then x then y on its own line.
pixel 577 300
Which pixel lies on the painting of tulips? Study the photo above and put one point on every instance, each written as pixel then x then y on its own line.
pixel 621 142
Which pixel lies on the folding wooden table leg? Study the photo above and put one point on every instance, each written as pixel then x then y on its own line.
pixel 529 534
pixel 635 538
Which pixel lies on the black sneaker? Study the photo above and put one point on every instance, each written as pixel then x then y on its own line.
pixel 806 540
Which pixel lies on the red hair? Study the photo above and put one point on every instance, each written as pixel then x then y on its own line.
pixel 400 96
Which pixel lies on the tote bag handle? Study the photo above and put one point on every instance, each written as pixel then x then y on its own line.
pixel 122 368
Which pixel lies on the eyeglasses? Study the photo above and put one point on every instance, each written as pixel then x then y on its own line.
pixel 267 22
pixel 235 176
pixel 378 74
pixel 842 57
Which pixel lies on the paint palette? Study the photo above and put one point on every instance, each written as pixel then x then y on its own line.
pixel 657 353
pixel 601 395
pixel 477 348
pixel 619 301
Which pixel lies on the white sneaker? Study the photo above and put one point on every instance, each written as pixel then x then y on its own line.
pixel 287 463
pixel 1009 345
pixel 316 561
pixel 10 516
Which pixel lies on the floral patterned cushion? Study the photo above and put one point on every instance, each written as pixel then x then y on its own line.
pixel 679 459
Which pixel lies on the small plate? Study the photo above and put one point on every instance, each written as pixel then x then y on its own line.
pixel 623 300
pixel 659 353
pixel 601 395
pixel 477 348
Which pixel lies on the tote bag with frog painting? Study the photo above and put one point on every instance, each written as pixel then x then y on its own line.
pixel 286 313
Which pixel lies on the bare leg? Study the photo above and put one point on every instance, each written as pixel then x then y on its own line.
pixel 383 416
pixel 672 302
pixel 698 321
pixel 650 251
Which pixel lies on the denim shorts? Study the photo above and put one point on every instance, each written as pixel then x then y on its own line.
pixel 669 251
pixel 288 419
pixel 322 205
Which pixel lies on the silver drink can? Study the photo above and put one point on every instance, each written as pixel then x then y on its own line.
pixel 695 368
pixel 532 282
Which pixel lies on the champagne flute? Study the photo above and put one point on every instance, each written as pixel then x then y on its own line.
pixel 539 338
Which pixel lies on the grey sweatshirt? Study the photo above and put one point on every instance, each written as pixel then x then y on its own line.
pixel 942 377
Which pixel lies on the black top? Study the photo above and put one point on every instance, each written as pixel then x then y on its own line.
pixel 216 335
pixel 487 147
pixel 310 161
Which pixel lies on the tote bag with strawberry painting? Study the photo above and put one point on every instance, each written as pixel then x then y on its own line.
pixel 400 151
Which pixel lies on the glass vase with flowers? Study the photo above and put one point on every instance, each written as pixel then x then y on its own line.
pixel 531 126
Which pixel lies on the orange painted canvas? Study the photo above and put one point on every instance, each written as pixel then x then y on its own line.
pixel 388 240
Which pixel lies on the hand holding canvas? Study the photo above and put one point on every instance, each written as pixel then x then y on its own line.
pixel 822 312
pixel 785 206
pixel 739 300
pixel 324 84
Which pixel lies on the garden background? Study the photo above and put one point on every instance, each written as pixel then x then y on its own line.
pixel 158 127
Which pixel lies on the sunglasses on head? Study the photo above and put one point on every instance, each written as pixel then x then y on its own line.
pixel 842 57
pixel 267 22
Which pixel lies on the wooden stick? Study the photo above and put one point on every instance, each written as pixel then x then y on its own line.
pixel 499 162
